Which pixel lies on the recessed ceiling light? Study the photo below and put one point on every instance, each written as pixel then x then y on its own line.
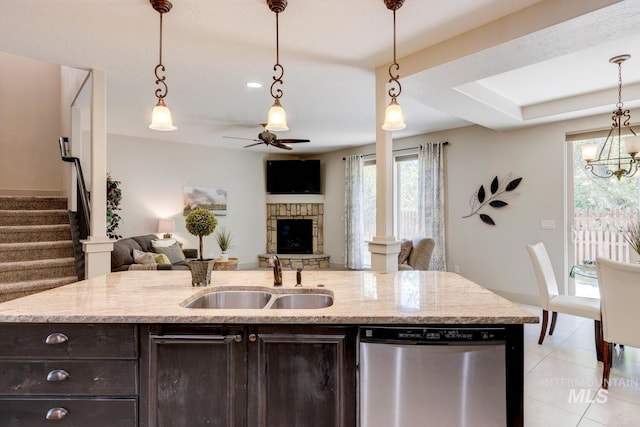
pixel 254 84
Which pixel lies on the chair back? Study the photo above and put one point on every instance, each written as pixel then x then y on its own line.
pixel 420 256
pixel 619 284
pixel 547 285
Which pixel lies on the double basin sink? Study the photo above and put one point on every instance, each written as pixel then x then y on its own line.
pixel 260 299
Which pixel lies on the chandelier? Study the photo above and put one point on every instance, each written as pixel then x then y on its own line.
pixel 393 119
pixel 161 116
pixel 617 155
pixel 277 119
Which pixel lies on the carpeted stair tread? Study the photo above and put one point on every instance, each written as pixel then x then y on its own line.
pixel 9 291
pixel 19 271
pixel 32 202
pixel 33 217
pixel 34 233
pixel 29 251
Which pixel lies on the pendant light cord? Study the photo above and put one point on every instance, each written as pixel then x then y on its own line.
pixel 394 91
pixel 162 91
pixel 277 78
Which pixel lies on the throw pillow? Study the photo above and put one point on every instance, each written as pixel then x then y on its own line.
pixel 163 243
pixel 140 257
pixel 161 259
pixel 173 252
pixel 405 250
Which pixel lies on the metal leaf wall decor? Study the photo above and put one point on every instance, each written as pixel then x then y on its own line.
pixel 501 191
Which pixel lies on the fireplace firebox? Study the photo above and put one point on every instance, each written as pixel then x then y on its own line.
pixel 294 236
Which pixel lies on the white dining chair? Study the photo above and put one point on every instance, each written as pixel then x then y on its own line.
pixel 552 301
pixel 619 284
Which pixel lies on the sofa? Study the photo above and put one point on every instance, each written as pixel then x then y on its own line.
pixel 415 254
pixel 148 252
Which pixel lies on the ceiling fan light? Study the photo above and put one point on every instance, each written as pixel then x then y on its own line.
pixel 161 117
pixel 393 118
pixel 277 121
pixel 589 151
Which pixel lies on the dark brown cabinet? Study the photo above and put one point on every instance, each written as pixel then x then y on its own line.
pixel 302 376
pixel 72 375
pixel 258 376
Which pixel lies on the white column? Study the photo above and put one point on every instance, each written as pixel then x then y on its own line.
pixel 384 247
pixel 98 247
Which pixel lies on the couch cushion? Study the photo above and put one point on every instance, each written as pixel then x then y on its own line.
pixel 405 250
pixel 173 252
pixel 161 259
pixel 122 253
pixel 145 241
pixel 140 257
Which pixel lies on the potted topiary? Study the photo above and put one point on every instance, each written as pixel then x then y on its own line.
pixel 201 222
pixel 224 239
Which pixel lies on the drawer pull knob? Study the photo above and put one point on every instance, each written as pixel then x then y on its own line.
pixel 56 338
pixel 56 413
pixel 57 375
pixel 253 337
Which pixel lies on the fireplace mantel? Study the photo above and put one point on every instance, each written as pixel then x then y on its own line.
pixel 295 198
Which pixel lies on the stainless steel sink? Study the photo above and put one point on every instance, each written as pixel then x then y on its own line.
pixel 302 301
pixel 232 299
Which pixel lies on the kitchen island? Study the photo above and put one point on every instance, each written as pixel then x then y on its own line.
pixel 144 359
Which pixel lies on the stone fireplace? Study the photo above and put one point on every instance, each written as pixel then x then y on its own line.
pixel 313 254
pixel 294 236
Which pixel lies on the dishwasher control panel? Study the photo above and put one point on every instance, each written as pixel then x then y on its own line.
pixel 434 335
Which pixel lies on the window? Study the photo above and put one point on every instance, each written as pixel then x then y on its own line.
pixel 599 210
pixel 405 198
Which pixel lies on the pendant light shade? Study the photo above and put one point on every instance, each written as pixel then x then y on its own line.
pixel 393 119
pixel 161 116
pixel 277 121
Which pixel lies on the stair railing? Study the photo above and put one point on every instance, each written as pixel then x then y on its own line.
pixel 84 209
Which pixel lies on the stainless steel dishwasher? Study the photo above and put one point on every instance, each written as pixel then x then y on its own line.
pixel 432 376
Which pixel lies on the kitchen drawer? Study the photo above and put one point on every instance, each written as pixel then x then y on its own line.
pixel 68 378
pixel 72 412
pixel 68 341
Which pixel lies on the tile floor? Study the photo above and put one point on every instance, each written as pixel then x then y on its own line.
pixel 562 379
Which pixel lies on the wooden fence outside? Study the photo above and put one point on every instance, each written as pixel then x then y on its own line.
pixel 599 232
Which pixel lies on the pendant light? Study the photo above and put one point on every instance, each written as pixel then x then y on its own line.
pixel 609 160
pixel 277 120
pixel 161 116
pixel 393 119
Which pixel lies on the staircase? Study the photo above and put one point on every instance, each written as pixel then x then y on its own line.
pixel 36 250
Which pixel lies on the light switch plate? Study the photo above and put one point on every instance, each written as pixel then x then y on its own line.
pixel 548 224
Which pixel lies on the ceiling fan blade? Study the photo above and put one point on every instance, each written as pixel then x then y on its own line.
pixel 292 141
pixel 252 145
pixel 245 139
pixel 280 145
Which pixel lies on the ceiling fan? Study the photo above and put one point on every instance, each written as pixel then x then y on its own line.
pixel 270 138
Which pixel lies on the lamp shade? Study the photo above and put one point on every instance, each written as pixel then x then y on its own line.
pixel 589 151
pixel 277 121
pixel 632 144
pixel 166 225
pixel 393 119
pixel 161 117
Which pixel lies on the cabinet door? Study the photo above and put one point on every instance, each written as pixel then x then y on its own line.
pixel 197 380
pixel 302 377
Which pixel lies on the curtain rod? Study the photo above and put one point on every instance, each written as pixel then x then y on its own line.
pixel 399 149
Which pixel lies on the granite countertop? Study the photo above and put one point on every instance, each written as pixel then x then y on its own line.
pixel 360 297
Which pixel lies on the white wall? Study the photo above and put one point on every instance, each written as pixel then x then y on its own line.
pixel 153 174
pixel 493 256
pixel 29 127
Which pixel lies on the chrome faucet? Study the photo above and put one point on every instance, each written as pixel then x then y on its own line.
pixel 274 262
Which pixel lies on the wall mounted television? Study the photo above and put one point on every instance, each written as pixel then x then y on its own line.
pixel 293 176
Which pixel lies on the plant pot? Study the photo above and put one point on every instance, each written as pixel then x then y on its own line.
pixel 200 271
pixel 224 256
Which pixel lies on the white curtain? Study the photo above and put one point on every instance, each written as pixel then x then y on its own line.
pixel 353 212
pixel 431 199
